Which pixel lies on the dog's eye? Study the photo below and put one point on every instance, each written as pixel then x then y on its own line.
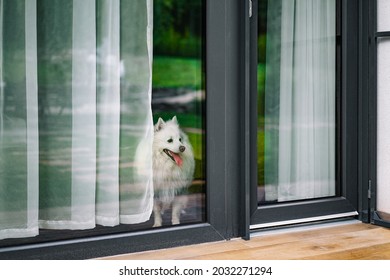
pixel 170 140
pixel 180 139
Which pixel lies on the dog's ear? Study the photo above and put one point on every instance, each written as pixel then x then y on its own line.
pixel 174 120
pixel 159 125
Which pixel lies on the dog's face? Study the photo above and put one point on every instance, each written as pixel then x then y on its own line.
pixel 170 140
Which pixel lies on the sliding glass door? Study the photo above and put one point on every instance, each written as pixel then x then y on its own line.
pixel 85 89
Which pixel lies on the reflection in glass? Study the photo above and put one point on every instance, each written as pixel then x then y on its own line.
pixel 178 92
pixel 297 109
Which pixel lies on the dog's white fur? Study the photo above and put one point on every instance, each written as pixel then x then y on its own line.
pixel 172 173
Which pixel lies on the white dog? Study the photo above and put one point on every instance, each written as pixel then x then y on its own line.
pixel 173 169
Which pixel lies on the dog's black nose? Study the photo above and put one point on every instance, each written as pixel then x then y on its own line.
pixel 182 149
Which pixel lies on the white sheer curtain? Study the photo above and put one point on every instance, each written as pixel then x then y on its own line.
pixel 300 100
pixel 75 101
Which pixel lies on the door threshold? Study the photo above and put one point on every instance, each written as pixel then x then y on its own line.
pixel 304 224
pixel 304 220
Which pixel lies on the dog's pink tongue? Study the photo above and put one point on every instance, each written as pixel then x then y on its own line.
pixel 177 159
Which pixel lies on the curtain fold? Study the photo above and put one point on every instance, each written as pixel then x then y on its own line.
pixel 76 124
pixel 303 166
pixel 136 137
pixel 18 120
pixel 108 109
pixel 83 155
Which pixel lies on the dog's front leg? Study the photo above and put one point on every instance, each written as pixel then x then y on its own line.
pixel 157 214
pixel 176 211
pixel 179 203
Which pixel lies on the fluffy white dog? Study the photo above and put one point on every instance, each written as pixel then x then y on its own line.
pixel 173 169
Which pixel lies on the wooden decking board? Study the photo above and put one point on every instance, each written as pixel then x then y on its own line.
pixel 354 241
pixel 376 252
pixel 185 251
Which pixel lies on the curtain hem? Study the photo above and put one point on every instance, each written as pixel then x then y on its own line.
pixel 107 221
pixel 72 225
pixel 136 218
pixel 18 233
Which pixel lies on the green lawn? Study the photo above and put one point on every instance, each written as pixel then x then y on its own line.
pixel 175 72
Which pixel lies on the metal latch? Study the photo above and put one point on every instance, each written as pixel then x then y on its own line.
pixel 369 189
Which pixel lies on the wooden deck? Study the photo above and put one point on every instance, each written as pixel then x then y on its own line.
pixel 350 240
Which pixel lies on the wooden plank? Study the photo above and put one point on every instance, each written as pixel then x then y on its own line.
pixel 376 252
pixel 306 248
pixel 184 252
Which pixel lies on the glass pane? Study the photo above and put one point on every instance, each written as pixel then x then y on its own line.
pixel 178 91
pixel 115 145
pixel 383 128
pixel 297 95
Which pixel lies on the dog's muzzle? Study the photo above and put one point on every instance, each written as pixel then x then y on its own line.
pixel 174 156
